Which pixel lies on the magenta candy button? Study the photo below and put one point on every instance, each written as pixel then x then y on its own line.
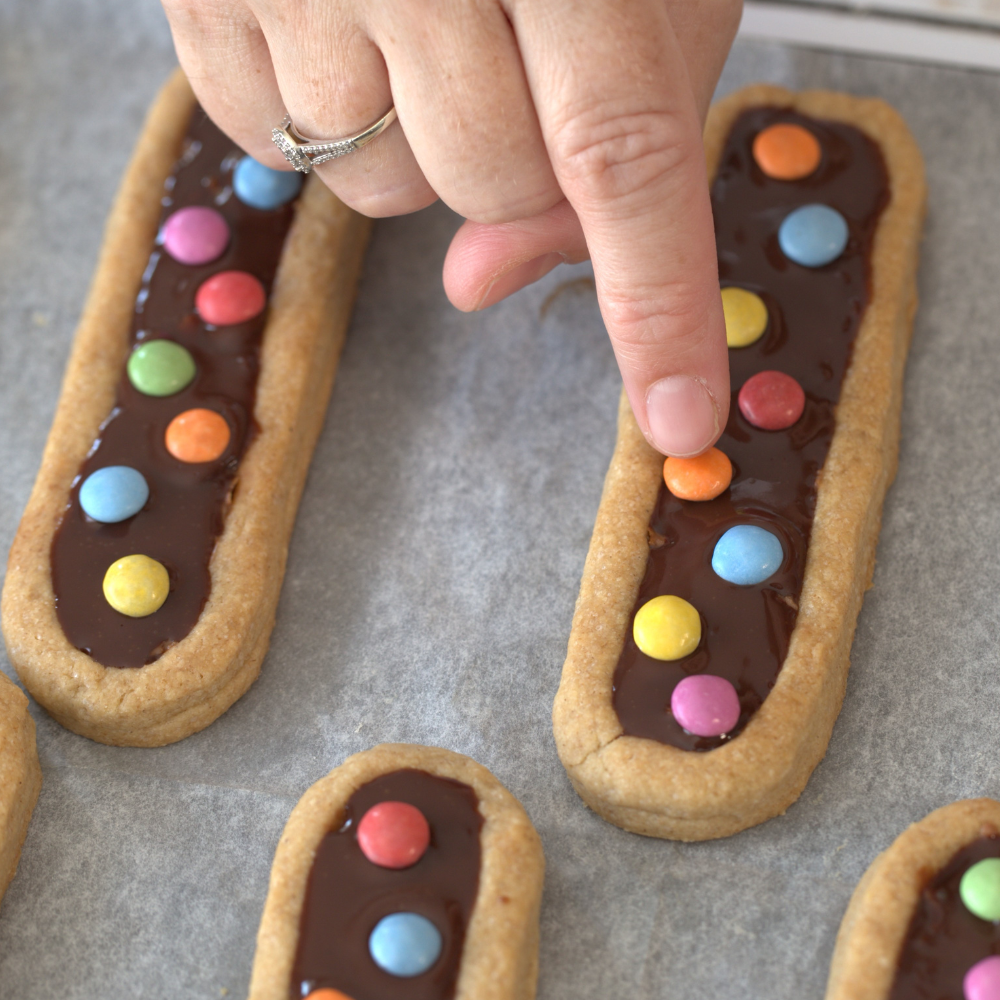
pixel 982 981
pixel 705 705
pixel 771 400
pixel 393 835
pixel 195 235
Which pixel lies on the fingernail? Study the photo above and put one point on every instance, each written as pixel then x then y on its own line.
pixel 517 277
pixel 682 416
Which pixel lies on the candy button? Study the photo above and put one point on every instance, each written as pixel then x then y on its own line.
pixel 747 554
pixel 197 436
pixel 113 494
pixel 261 187
pixel 393 835
pixel 813 235
pixel 230 297
pixel 771 400
pixel 160 368
pixel 705 705
pixel 982 981
pixel 980 889
pixel 786 152
pixel 405 944
pixel 746 316
pixel 195 235
pixel 136 586
pixel 667 628
pixel 703 477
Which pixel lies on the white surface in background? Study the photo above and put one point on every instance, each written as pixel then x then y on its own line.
pixel 985 12
pixel 870 34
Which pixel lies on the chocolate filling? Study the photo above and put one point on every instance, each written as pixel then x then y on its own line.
pixel 944 940
pixel 187 504
pixel 814 315
pixel 347 895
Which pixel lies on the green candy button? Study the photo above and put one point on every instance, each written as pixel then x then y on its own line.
pixel 980 889
pixel 160 368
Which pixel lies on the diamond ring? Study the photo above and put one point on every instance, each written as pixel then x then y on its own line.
pixel 304 154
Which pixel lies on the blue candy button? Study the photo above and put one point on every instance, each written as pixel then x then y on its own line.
pixel 113 494
pixel 261 187
pixel 813 235
pixel 747 554
pixel 405 944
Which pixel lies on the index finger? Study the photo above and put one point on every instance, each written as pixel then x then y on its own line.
pixel 622 129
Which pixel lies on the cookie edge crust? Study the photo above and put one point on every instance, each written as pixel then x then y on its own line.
pixel 198 679
pixel 658 790
pixel 20 777
pixel 878 916
pixel 500 954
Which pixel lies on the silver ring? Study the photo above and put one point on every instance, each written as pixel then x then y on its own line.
pixel 304 154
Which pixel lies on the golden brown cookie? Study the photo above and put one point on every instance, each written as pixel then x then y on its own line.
pixel 197 679
pixel 659 790
pixel 874 929
pixel 20 777
pixel 498 959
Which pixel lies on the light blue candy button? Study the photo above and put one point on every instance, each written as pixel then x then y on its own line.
pixel 747 554
pixel 113 494
pixel 405 944
pixel 261 187
pixel 813 235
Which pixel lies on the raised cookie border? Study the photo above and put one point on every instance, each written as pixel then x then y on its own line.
pixel 199 678
pixel 500 954
pixel 659 790
pixel 20 776
pixel 872 933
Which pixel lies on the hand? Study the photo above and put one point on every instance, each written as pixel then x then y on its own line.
pixel 558 128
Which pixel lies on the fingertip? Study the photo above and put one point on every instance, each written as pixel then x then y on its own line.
pixel 683 416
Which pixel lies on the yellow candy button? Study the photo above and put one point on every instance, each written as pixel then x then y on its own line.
pixel 667 628
pixel 746 316
pixel 136 586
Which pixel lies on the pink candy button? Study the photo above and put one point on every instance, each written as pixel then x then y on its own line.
pixel 195 235
pixel 393 835
pixel 771 400
pixel 982 981
pixel 230 297
pixel 705 705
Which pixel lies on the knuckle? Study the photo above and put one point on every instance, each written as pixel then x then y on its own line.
pixel 646 317
pixel 605 153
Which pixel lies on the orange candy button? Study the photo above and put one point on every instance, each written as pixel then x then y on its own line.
pixel 327 994
pixel 700 478
pixel 787 152
pixel 197 436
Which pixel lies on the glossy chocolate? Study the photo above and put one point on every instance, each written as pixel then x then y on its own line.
pixel 944 940
pixel 347 895
pixel 814 315
pixel 186 509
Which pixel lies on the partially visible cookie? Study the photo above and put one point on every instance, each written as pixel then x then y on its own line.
pixel 408 871
pixel 909 930
pixel 20 777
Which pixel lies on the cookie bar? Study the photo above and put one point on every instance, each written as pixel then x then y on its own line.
pixel 407 872
pixel 923 919
pixel 710 645
pixel 20 777
pixel 142 584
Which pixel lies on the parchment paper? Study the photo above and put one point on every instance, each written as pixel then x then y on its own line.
pixel 435 564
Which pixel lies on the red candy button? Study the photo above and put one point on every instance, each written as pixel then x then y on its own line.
pixel 230 297
pixel 771 400
pixel 393 835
